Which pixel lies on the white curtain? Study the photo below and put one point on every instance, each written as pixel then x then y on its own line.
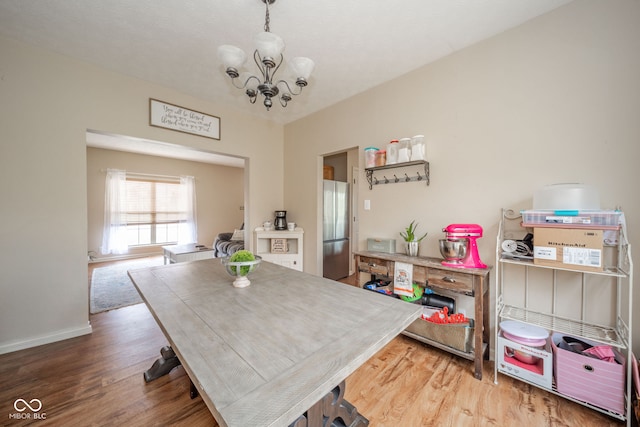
pixel 188 230
pixel 114 237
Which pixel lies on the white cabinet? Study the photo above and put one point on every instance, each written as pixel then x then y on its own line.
pixel 596 306
pixel 281 247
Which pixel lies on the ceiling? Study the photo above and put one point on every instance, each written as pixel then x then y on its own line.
pixel 356 44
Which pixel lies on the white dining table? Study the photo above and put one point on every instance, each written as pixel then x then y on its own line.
pixel 277 352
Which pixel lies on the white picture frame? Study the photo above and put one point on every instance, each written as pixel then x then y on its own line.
pixel 170 116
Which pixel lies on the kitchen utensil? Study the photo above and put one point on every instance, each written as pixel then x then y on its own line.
pixel 454 249
pixel 459 235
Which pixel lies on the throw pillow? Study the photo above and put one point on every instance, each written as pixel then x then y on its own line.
pixel 238 235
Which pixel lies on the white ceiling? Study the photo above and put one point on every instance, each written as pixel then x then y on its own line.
pixel 356 44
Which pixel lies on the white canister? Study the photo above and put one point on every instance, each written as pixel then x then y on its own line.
pixel 418 148
pixel 404 150
pixel 392 152
pixel 370 157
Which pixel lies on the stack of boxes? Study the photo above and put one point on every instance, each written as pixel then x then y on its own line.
pixel 571 239
pixel 570 231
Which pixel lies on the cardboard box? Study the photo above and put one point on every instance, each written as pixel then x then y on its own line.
pixel 540 373
pixel 599 382
pixel 381 245
pixel 573 248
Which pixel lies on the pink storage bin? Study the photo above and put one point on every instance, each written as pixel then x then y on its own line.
pixel 591 380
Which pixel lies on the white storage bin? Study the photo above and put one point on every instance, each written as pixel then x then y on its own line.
pixel 566 197
pixel 404 150
pixel 392 152
pixel 418 148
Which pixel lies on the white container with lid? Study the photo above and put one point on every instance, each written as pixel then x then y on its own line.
pixel 370 157
pixel 404 150
pixel 418 148
pixel 525 334
pixel 392 152
pixel 566 197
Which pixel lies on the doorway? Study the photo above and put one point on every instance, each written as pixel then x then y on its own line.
pixel 154 157
pixel 339 216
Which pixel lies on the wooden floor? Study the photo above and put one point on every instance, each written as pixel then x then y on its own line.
pixel 96 380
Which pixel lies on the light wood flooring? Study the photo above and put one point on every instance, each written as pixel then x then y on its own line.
pixel 96 380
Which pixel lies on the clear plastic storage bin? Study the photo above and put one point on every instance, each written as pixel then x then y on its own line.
pixel 418 148
pixel 370 157
pixel 392 152
pixel 404 150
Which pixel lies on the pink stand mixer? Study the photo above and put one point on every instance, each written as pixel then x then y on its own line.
pixel 460 249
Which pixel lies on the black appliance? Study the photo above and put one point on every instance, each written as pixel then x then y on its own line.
pixel 281 220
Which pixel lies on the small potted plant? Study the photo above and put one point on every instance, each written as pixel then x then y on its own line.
pixel 239 265
pixel 409 236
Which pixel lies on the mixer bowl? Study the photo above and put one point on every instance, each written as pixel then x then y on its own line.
pixel 454 249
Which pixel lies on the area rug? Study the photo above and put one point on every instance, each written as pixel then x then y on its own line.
pixel 112 288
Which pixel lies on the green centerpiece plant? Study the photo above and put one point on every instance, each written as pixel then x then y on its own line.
pixel 409 236
pixel 241 256
pixel 239 265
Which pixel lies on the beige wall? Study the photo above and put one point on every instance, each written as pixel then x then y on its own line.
pixel 219 193
pixel 47 103
pixel 554 100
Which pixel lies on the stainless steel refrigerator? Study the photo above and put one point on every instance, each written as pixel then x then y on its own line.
pixel 335 230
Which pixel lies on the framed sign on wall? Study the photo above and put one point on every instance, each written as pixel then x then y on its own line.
pixel 174 117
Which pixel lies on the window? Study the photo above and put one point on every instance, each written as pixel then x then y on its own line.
pixel 153 212
pixel 144 210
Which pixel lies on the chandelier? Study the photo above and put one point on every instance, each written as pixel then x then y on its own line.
pixel 268 57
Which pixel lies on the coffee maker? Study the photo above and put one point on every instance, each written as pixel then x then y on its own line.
pixel 280 222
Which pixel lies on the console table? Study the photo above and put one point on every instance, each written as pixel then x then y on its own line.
pixel 430 272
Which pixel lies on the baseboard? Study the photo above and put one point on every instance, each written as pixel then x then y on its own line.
pixel 125 257
pixel 45 339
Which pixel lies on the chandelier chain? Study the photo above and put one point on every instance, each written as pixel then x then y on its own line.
pixel 266 17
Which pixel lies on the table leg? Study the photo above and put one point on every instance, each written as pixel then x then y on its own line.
pixel 163 365
pixel 332 410
pixel 193 391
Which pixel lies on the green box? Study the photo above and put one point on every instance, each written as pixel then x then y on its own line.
pixel 381 245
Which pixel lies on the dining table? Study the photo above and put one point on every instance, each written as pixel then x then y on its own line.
pixel 274 353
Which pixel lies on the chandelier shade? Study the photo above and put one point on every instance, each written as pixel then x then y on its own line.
pixel 302 67
pixel 231 56
pixel 268 58
pixel 268 45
